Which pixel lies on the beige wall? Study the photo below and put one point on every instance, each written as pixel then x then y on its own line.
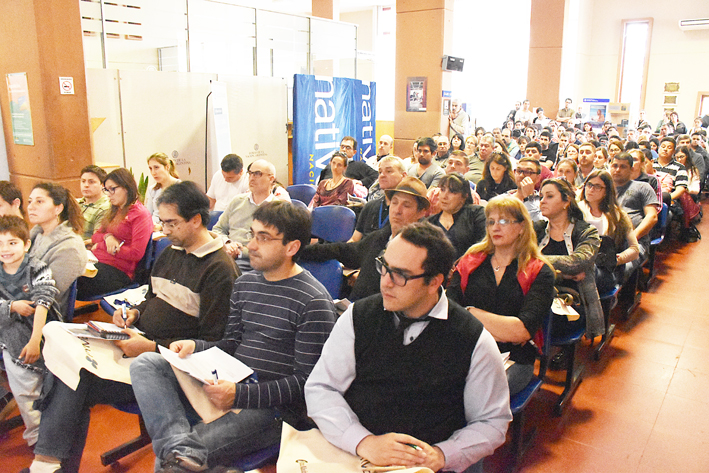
pixel 675 55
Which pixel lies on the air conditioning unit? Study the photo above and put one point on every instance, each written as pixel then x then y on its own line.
pixel 695 24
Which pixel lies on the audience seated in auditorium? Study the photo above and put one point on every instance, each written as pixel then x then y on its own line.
pixel 498 177
pixel 443 150
pixel 408 204
pixel 94 203
pixel 671 174
pixel 334 191
pixel 163 172
pixel 486 146
pixel 356 170
pixel 527 177
pixel 567 169
pixel 507 284
pixel 462 221
pixel 279 319
pixel 587 154
pixel 571 245
pixel 121 240
pixel 56 235
pixel 234 224
pixel 366 393
pixel 383 149
pixel 196 264
pixel 10 200
pixel 426 169
pixel 619 247
pixel 227 183
pixel 375 213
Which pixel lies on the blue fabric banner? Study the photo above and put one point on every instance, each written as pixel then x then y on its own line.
pixel 326 109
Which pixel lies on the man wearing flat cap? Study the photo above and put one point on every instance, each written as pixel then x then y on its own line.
pixel 408 205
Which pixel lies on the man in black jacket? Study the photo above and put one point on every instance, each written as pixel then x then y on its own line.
pixel 408 205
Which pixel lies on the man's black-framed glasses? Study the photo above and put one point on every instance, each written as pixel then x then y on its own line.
pixel 396 275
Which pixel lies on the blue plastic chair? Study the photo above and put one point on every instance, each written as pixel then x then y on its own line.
pixel 608 302
pixel 302 192
pixel 520 400
pixel 159 246
pixel 130 446
pixel 660 230
pixel 333 223
pixel 259 459
pixel 567 342
pixel 329 273
pixel 300 204
pixel 71 302
pixel 214 218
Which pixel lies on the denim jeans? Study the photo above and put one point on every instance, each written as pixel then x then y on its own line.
pixel 174 427
pixel 66 414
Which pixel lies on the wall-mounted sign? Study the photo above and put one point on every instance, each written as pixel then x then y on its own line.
pixel 20 112
pixel 66 85
pixel 416 94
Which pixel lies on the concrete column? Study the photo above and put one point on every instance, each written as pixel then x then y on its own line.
pixel 44 40
pixel 545 45
pixel 423 35
pixel 329 9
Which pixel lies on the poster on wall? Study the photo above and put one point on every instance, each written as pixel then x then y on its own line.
pixel 416 94
pixel 20 112
pixel 597 109
pixel 325 110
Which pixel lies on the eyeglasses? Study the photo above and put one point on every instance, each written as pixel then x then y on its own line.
pixel 595 187
pixel 170 224
pixel 503 222
pixel 526 172
pixel 396 275
pixel 110 190
pixel 346 147
pixel 257 174
pixel 261 238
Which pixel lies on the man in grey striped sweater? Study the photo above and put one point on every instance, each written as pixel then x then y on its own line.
pixel 279 320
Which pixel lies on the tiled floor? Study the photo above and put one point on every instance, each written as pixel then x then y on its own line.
pixel 642 408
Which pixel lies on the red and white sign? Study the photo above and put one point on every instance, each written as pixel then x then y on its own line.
pixel 66 85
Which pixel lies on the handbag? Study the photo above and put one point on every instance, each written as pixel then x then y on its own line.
pixel 690 207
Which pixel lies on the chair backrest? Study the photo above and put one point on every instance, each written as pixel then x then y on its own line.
pixel 300 204
pixel 302 192
pixel 160 245
pixel 329 273
pixel 545 344
pixel 660 228
pixel 142 270
pixel 214 218
pixel 71 302
pixel 333 223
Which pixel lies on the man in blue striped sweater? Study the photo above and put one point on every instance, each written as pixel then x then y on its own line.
pixel 279 320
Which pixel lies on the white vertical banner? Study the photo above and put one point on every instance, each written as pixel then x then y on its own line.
pixel 218 128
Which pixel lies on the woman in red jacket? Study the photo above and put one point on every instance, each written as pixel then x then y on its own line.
pixel 121 240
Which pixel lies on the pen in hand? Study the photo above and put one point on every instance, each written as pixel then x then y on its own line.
pixel 216 376
pixel 124 315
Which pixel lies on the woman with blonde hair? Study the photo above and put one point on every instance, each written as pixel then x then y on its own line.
pixel 507 284
pixel 163 172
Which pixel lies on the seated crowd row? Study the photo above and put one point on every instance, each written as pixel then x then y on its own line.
pixel 533 232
